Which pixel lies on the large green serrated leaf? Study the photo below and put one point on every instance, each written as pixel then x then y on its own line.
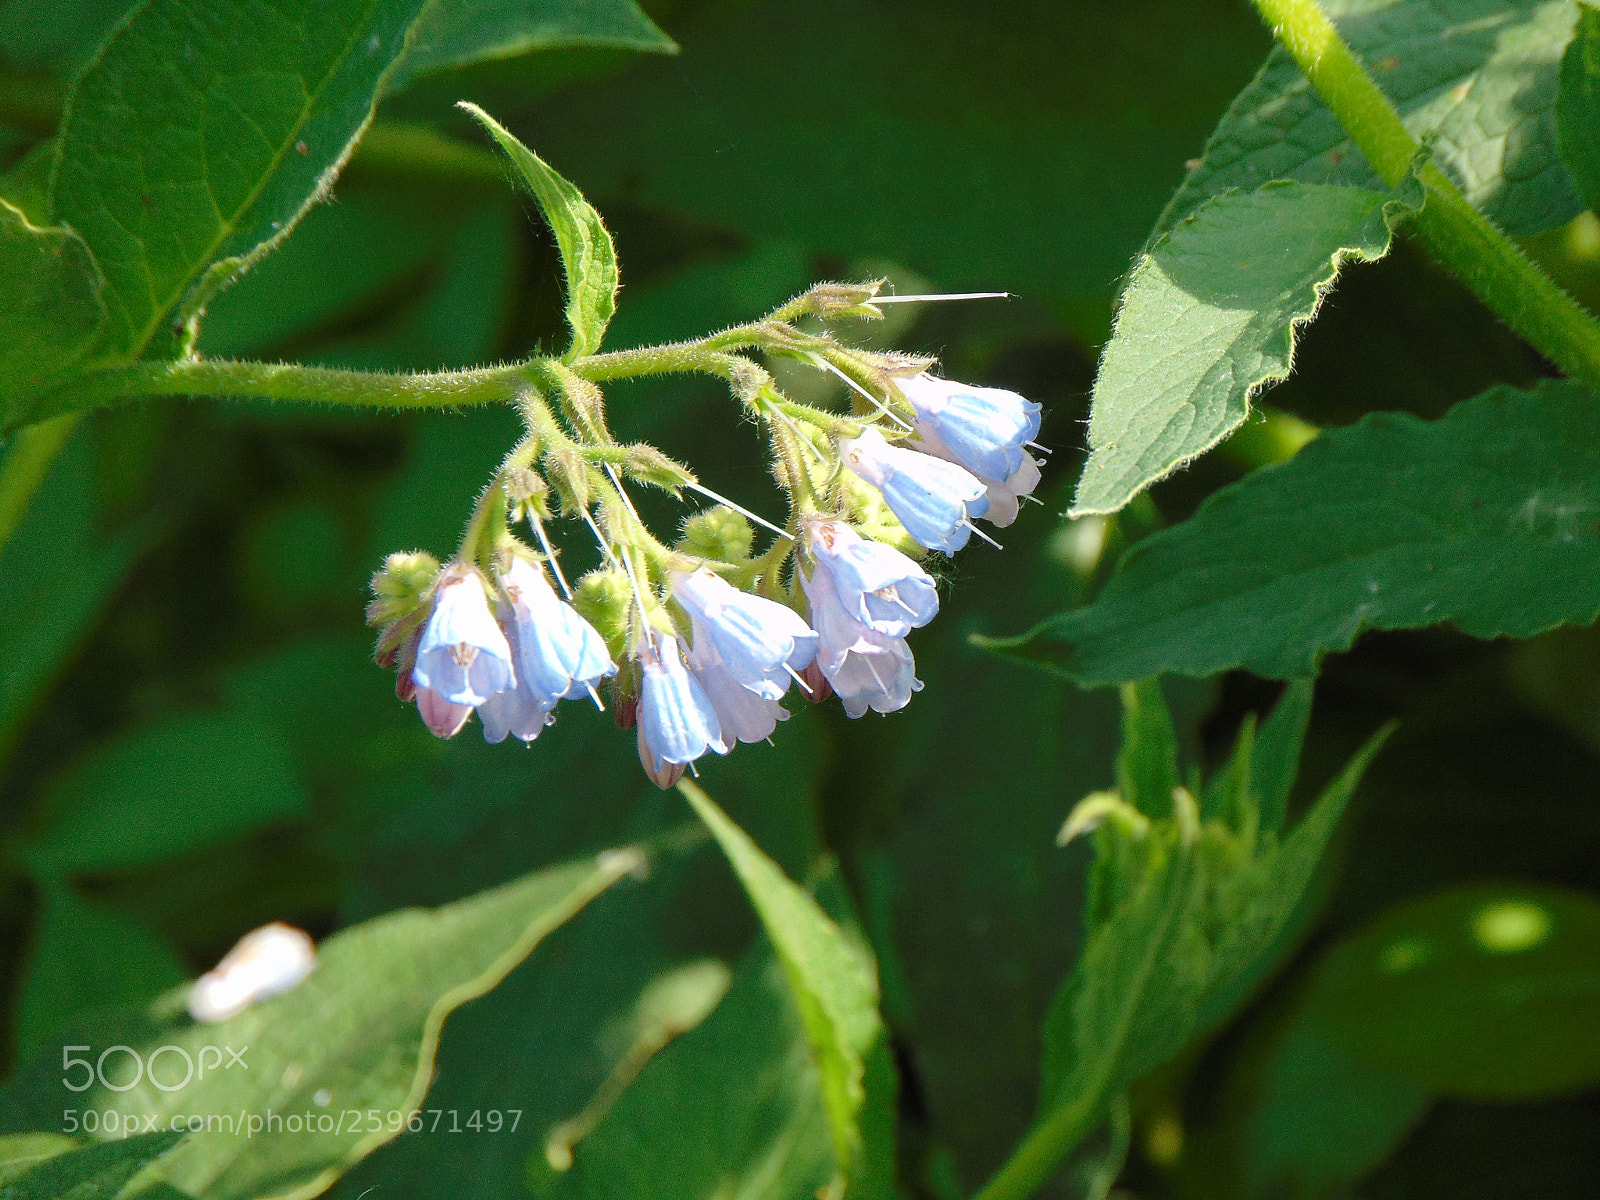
pixel 464 31
pixel 1488 518
pixel 1478 76
pixel 358 1036
pixel 88 1172
pixel 587 255
pixel 53 310
pixel 833 981
pixel 1209 316
pixel 202 133
pixel 1578 105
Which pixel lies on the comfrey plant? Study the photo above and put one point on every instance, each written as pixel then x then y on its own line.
pixel 700 641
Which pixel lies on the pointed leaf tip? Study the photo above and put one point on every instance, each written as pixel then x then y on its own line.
pixel 587 254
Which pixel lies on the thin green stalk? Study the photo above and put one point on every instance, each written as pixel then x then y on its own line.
pixel 1036 1160
pixel 25 466
pixel 285 381
pixel 1462 238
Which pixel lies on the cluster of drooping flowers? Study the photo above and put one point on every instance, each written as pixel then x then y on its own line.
pixel 699 643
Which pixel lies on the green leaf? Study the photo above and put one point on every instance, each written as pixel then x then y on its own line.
pixel 1486 518
pixel 1191 916
pixel 181 171
pixel 166 790
pixel 53 311
pixel 733 1108
pixel 90 1173
pixel 1578 105
pixel 1147 764
pixel 24 1151
pixel 1312 1118
pixel 1210 315
pixel 1478 76
pixel 1262 902
pixel 587 255
pixel 1275 759
pixel 57 574
pixel 86 957
pixel 832 979
pixel 359 1034
pixel 453 33
pixel 1486 991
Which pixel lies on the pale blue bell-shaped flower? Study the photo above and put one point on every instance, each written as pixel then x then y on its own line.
pixel 743 714
pixel 985 429
pixel 463 655
pixel 1004 494
pixel 882 682
pixel 876 584
pixel 559 654
pixel 865 668
pixel 760 642
pixel 677 723
pixel 515 711
pixel 934 499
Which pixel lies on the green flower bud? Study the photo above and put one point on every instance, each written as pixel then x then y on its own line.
pixel 604 598
pixel 719 534
pixel 400 592
pixel 568 472
pixel 831 301
pixel 527 492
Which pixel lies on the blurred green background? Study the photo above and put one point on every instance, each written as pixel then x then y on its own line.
pixel 196 742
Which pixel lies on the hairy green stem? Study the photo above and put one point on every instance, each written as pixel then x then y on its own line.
pixel 285 381
pixel 26 464
pixel 1462 238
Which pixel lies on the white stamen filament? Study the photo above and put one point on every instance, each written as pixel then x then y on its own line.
pixel 879 407
pixel 742 511
pixel 795 675
pixel 875 674
pixel 940 296
pixel 983 535
pixel 795 429
pixel 1045 450
pixel 612 471
pixel 550 555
